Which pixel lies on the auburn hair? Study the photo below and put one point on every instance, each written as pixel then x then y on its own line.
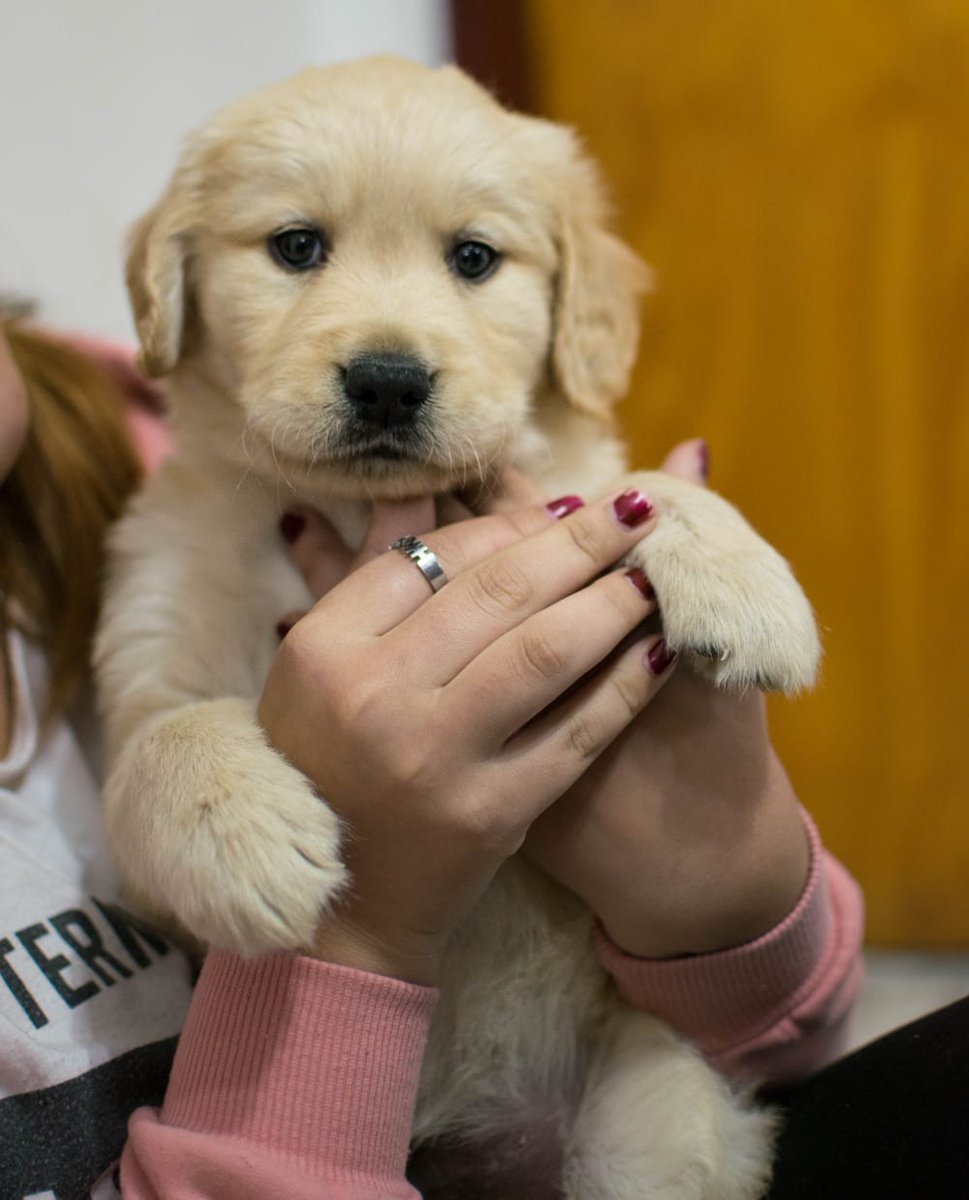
pixel 77 468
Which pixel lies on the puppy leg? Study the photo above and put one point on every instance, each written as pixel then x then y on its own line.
pixel 210 825
pixel 657 1123
pixel 730 604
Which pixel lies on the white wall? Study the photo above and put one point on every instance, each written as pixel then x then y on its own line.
pixel 95 96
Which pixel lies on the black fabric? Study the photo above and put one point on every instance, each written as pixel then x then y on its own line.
pixel 61 1139
pixel 889 1122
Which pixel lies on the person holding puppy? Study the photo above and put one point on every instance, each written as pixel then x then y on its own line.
pixel 656 800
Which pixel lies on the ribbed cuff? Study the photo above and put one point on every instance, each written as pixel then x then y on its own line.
pixel 727 996
pixel 316 1062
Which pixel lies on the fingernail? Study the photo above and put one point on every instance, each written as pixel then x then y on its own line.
pixel 660 657
pixel 703 459
pixel 632 508
pixel 564 505
pixel 639 580
pixel 282 628
pixel 291 525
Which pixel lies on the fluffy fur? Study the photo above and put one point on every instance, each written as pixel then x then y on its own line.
pixel 212 829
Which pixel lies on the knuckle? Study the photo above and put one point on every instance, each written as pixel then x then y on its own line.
pixel 450 549
pixel 523 522
pixel 622 597
pixel 415 772
pixel 501 587
pixel 361 702
pixel 540 657
pixel 630 693
pixel 301 651
pixel 590 538
pixel 490 828
pixel 584 739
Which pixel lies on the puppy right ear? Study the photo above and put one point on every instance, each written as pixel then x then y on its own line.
pixel 597 303
pixel 155 271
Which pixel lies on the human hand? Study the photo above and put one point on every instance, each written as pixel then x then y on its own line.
pixel 685 835
pixel 439 726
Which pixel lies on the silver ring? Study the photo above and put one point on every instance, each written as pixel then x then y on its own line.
pixel 424 558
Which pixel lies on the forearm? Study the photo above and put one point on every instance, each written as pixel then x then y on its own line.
pixel 292 1077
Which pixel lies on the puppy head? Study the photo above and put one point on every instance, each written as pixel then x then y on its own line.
pixel 387 271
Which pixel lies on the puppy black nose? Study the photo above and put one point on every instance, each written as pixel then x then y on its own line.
pixel 386 389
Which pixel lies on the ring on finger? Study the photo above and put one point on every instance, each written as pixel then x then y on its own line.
pixel 424 558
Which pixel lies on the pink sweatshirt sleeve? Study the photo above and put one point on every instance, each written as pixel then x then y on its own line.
pixel 293 1079
pixel 776 1007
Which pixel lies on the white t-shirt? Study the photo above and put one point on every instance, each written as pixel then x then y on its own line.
pixel 90 1001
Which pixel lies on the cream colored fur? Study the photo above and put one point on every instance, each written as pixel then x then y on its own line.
pixel 212 829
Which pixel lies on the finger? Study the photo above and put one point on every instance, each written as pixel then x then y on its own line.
pixel 287 621
pixel 551 753
pixel 450 509
pixel 689 460
pixel 390 588
pixel 487 600
pixel 316 548
pixel 534 664
pixel 391 520
pixel 501 491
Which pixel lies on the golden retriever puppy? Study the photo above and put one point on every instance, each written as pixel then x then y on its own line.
pixel 377 233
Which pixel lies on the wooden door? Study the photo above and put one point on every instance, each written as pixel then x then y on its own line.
pixel 798 176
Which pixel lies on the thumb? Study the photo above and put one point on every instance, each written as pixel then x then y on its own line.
pixel 391 520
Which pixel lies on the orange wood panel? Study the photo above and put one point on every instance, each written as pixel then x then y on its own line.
pixel 798 175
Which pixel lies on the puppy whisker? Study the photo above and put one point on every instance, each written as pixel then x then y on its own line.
pixel 281 476
pixel 250 468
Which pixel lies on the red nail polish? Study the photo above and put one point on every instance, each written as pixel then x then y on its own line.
pixel 703 459
pixel 632 508
pixel 639 580
pixel 291 525
pixel 564 505
pixel 660 657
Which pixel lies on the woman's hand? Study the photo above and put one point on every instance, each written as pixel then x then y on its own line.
pixel 440 726
pixel 685 835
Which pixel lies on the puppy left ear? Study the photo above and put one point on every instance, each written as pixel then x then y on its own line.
pixel 155 272
pixel 158 266
pixel 597 303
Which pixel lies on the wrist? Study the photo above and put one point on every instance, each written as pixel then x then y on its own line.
pixel 742 916
pixel 413 959
pixel 727 892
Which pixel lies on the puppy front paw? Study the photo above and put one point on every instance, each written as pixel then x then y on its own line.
pixel 211 825
pixel 730 604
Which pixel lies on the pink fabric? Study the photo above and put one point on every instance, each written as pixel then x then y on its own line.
pixel 290 1073
pixel 296 1079
pixel 151 437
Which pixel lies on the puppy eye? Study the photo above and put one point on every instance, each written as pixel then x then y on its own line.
pixel 298 249
pixel 474 260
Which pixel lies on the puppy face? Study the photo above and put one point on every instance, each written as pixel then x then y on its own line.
pixel 387 272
